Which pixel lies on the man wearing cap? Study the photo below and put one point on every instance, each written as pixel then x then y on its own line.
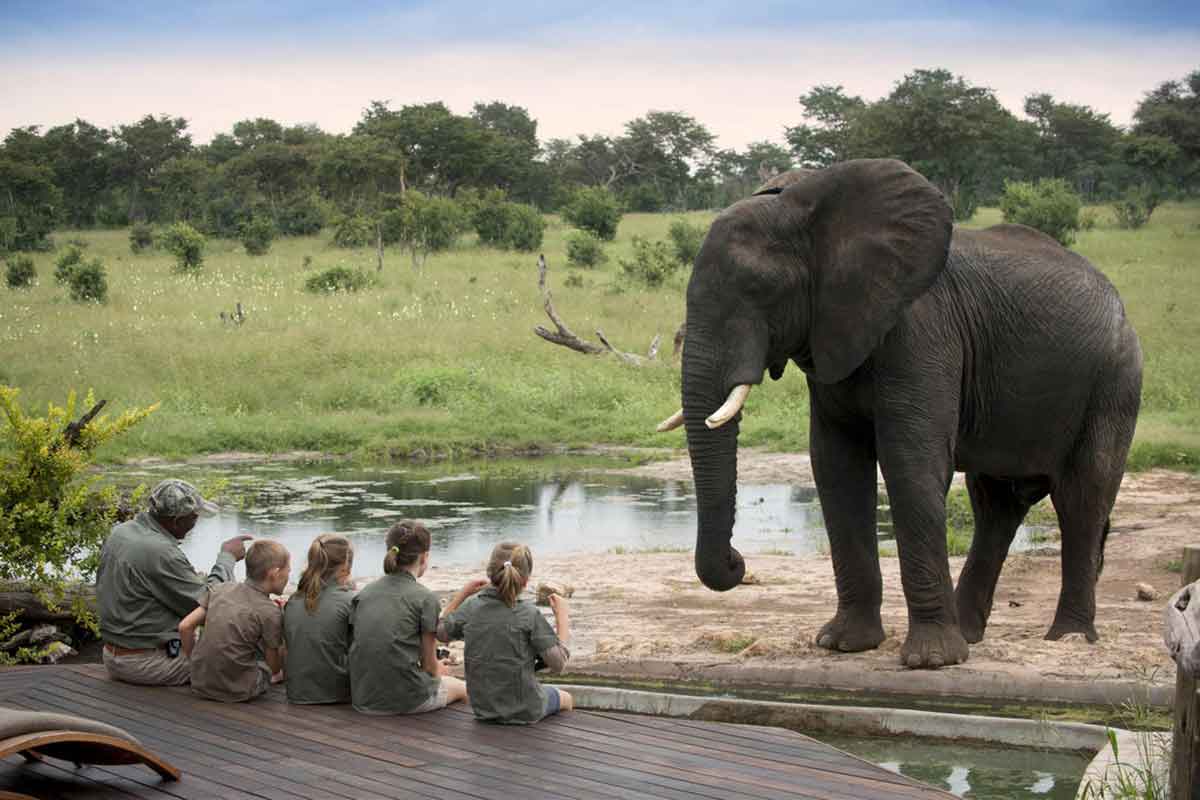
pixel 145 585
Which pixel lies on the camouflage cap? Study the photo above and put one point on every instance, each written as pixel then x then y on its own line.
pixel 176 498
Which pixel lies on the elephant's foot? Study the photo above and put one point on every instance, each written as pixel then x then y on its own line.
pixel 972 618
pixel 852 631
pixel 1064 625
pixel 931 645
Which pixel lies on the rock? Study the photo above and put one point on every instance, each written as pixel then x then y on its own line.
pixel 544 590
pixel 750 579
pixel 1146 592
pixel 1014 603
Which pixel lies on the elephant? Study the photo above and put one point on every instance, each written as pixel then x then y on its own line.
pixel 926 349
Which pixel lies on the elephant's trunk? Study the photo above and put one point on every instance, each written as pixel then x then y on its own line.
pixel 714 464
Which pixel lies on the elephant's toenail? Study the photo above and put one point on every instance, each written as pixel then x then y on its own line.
pixel 844 647
pixel 935 660
pixel 914 660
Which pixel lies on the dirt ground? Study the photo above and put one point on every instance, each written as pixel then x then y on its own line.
pixel 638 608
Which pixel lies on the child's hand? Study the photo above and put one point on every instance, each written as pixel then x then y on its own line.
pixel 474 585
pixel 278 677
pixel 559 604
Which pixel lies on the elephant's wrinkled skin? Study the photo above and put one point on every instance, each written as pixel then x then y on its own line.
pixel 926 350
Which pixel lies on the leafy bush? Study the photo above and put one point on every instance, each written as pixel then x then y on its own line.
pixel 257 235
pixel 1088 219
pixel 573 281
pixel 353 231
pixel 66 263
pixel 436 386
pixel 301 216
pixel 88 282
pixel 141 236
pixel 594 209
pixel 337 279
pixel 652 262
pixel 686 238
pixel 1135 207
pixel 186 244
pixel 1049 205
pixel 20 273
pixel 526 227
pixel 490 215
pixel 425 224
pixel 53 515
pixel 584 249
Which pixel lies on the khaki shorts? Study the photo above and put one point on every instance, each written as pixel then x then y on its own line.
pixel 148 669
pixel 439 699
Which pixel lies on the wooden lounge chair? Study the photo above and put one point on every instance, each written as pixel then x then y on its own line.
pixel 35 734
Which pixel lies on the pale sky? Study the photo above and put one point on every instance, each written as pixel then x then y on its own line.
pixel 578 67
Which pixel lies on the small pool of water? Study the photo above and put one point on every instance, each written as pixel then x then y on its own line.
pixel 564 510
pixel 982 772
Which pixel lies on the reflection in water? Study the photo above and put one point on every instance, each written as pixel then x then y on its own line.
pixel 981 772
pixel 468 514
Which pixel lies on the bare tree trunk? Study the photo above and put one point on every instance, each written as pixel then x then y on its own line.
pixel 379 244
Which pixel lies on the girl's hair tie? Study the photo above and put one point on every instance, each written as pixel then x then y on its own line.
pixel 507 564
pixel 394 549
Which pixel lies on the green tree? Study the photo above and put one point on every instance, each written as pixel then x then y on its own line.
pixel 1172 111
pixel 1075 142
pixel 427 224
pixel 186 244
pixel 30 204
pixel 140 151
pixel 361 174
pixel 54 513
pixel 829 138
pixel 80 155
pixel 594 209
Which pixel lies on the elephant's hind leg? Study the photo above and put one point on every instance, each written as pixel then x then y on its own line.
pixel 999 505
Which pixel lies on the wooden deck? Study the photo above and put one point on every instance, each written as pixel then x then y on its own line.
pixel 270 749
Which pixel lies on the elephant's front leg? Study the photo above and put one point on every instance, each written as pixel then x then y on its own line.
pixel 843 459
pixel 917 468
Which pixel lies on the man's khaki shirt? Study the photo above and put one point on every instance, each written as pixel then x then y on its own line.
pixel 145 584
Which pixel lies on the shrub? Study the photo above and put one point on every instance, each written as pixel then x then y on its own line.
pixel 1049 205
pixel 66 263
pixel 594 209
pixel 1089 218
pixel 573 281
pixel 141 236
pixel 652 262
pixel 584 249
pixel 526 227
pixel 20 273
pixel 53 513
pixel 490 216
pixel 353 231
pixel 337 279
pixel 425 224
pixel 437 386
pixel 257 235
pixel 186 244
pixel 686 239
pixel 88 283
pixel 1135 207
pixel 301 216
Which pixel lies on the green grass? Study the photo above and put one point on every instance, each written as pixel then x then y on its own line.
pixel 446 361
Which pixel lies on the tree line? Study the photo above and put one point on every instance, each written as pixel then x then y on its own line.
pixel 302 178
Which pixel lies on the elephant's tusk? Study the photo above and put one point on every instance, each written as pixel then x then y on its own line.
pixel 671 423
pixel 737 398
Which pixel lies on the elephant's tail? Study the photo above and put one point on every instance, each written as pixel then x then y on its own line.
pixel 1103 541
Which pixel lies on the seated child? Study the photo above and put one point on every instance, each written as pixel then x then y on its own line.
pixel 504 637
pixel 393 659
pixel 316 624
pixel 242 644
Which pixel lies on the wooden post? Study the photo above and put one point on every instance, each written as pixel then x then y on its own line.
pixel 1185 747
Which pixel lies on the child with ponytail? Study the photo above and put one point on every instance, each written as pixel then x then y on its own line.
pixel 504 637
pixel 393 661
pixel 316 624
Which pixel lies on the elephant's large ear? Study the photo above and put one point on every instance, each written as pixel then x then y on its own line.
pixel 878 235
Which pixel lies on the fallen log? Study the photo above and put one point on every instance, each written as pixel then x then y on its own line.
pixel 18 597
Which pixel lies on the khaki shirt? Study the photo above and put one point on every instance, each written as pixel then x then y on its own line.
pixel 389 617
pixel 501 646
pixel 241 622
pixel 318 646
pixel 145 584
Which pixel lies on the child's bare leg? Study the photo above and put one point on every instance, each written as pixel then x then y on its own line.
pixel 565 702
pixel 456 689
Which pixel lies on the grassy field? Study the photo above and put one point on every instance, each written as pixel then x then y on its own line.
pixel 446 361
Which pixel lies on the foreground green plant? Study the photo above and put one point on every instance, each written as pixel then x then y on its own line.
pixel 1049 205
pixel 88 282
pixel 53 513
pixel 1144 778
pixel 20 272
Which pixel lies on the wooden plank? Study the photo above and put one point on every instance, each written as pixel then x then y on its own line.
pixel 1185 734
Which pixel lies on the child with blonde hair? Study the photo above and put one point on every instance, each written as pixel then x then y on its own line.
pixel 393 660
pixel 241 650
pixel 504 637
pixel 316 624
